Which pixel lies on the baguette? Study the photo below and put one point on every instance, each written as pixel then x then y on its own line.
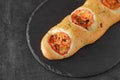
pixel 73 32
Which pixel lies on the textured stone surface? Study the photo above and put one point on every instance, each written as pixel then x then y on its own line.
pixel 16 60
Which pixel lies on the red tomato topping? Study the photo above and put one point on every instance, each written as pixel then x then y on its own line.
pixel 112 4
pixel 82 18
pixel 60 42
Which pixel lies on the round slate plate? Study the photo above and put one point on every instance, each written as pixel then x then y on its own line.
pixel 91 60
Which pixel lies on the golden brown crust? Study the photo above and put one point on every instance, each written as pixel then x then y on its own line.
pixel 104 18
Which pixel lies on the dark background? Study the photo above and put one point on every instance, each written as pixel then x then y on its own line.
pixel 16 60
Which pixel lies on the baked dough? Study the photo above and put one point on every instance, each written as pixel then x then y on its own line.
pixel 103 17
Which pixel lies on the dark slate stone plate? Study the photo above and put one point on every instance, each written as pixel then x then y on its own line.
pixel 91 60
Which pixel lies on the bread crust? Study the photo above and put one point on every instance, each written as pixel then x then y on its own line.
pixel 79 35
